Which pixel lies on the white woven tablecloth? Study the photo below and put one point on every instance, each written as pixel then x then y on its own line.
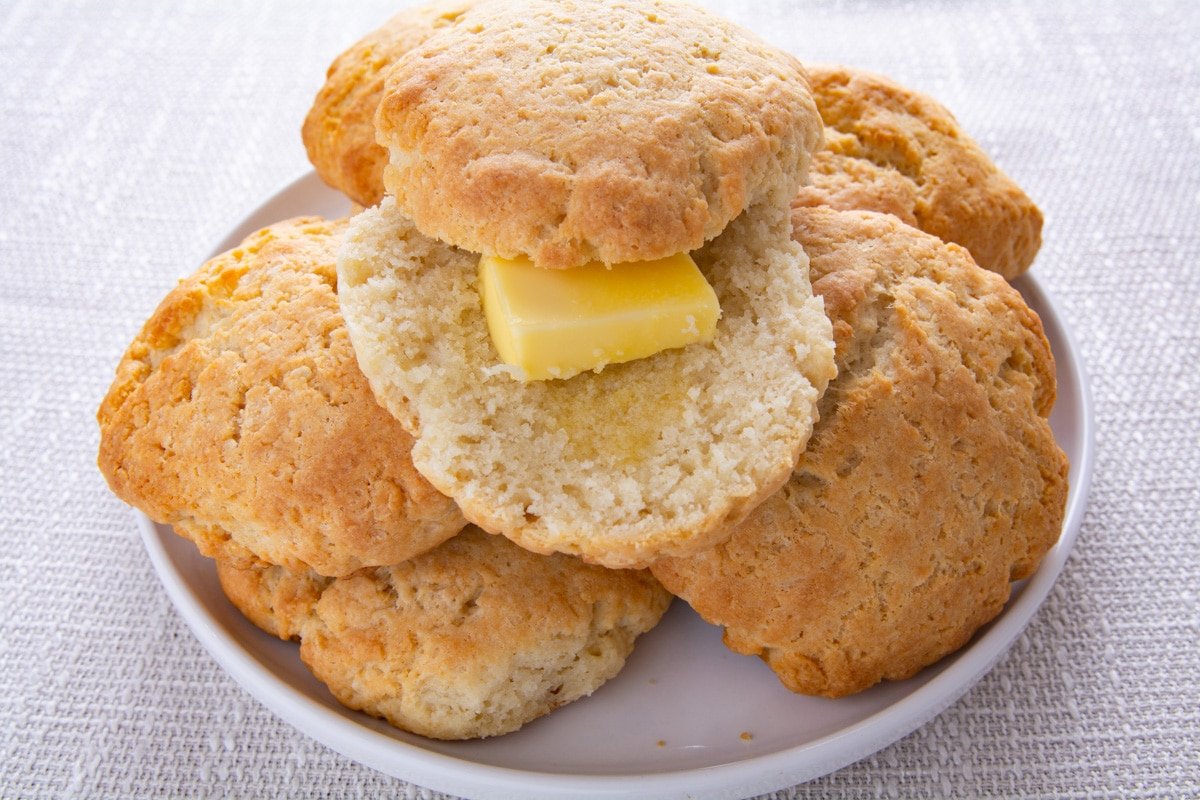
pixel 134 134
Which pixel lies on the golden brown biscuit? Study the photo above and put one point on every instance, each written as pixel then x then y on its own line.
pixel 277 599
pixel 656 456
pixel 890 149
pixel 474 638
pixel 931 481
pixel 339 131
pixel 239 416
pixel 585 131
pixel 887 149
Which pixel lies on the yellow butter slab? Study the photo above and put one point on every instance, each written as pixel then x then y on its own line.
pixel 555 323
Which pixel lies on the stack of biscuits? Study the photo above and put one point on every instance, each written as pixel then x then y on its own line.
pixel 847 477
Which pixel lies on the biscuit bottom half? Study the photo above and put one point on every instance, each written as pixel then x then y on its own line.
pixel 658 456
pixel 472 639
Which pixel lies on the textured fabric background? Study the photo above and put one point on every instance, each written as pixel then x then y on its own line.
pixel 134 134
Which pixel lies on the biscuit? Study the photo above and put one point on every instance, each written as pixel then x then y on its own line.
pixel 238 415
pixel 339 131
pixel 472 639
pixel 277 599
pixel 887 149
pixel 890 149
pixel 581 131
pixel 931 481
pixel 656 456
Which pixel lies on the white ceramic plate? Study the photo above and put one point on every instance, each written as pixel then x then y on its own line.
pixel 686 717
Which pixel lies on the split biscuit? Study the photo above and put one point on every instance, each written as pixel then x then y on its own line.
pixel 886 148
pixel 897 151
pixel 475 638
pixel 239 416
pixel 658 456
pixel 930 483
pixel 581 131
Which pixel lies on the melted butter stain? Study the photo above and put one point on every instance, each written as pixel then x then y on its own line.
pixel 631 420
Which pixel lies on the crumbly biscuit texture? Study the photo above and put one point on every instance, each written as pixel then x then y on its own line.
pixel 581 130
pixel 656 456
pixel 931 481
pixel 897 151
pixel 239 416
pixel 472 639
pixel 339 131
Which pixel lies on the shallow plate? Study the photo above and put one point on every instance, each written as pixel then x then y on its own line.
pixel 686 717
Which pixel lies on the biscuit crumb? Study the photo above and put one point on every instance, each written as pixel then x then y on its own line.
pixel 746 736
pixel 662 743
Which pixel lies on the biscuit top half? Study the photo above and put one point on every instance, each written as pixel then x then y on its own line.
pixel 579 131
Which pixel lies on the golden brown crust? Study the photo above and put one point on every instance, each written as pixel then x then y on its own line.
pixel 339 131
pixel 239 416
pixel 584 130
pixel 931 481
pixel 887 149
pixel 893 150
pixel 474 638
pixel 276 599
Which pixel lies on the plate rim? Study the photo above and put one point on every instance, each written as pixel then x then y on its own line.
pixel 753 775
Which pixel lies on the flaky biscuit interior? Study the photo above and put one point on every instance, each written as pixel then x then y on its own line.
pixel 653 457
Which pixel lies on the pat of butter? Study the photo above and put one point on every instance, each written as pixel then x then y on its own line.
pixel 555 323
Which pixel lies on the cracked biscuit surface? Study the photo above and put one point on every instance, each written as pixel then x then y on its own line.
pixel 931 481
pixel 886 148
pixel 581 131
pixel 656 456
pixel 472 639
pixel 897 151
pixel 239 416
